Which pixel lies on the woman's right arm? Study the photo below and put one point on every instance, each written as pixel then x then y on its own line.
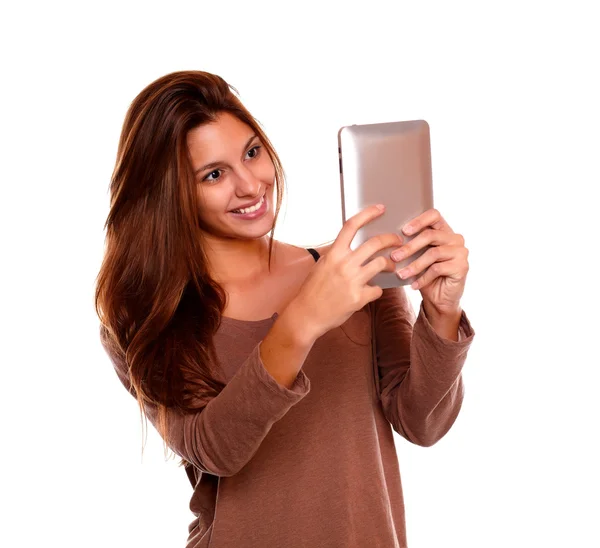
pixel 222 437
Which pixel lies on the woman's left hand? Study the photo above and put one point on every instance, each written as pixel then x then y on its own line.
pixel 443 283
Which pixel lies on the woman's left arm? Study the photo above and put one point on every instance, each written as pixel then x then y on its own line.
pixel 419 362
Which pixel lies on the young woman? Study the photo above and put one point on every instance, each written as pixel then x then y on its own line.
pixel 275 372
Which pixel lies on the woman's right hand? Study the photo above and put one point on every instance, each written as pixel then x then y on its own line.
pixel 336 286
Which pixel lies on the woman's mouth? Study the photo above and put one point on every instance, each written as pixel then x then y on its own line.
pixel 252 212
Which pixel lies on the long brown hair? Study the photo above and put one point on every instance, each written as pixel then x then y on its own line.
pixel 157 304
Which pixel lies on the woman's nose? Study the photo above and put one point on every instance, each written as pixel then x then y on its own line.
pixel 248 182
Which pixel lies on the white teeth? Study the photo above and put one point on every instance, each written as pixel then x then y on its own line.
pixel 250 209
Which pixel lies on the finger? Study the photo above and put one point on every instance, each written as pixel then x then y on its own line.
pixel 372 293
pixel 367 249
pixel 375 266
pixel 431 217
pixel 435 254
pixel 447 269
pixel 341 245
pixel 429 236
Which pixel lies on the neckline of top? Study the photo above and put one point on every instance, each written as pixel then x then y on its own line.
pixel 275 314
pixel 272 318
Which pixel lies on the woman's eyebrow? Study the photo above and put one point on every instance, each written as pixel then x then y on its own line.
pixel 215 164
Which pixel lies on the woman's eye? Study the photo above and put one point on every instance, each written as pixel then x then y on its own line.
pixel 216 174
pixel 253 152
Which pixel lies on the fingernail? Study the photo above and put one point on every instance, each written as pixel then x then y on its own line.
pixel 408 229
pixel 380 206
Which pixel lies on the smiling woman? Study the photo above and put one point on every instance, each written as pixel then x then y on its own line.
pixel 277 382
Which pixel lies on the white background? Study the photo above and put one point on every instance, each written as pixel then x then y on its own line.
pixel 510 91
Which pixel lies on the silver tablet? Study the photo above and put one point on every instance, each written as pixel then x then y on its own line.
pixel 386 163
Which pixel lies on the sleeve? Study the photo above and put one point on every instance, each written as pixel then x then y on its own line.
pixel 417 373
pixel 226 433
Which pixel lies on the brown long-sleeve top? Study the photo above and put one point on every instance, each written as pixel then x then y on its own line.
pixel 315 466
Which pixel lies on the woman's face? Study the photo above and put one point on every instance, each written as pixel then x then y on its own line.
pixel 232 169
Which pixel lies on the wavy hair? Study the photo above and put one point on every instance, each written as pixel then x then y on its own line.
pixel 157 304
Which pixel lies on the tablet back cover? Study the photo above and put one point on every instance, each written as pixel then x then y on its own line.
pixel 387 163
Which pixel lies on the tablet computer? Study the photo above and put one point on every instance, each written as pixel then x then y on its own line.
pixel 388 163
